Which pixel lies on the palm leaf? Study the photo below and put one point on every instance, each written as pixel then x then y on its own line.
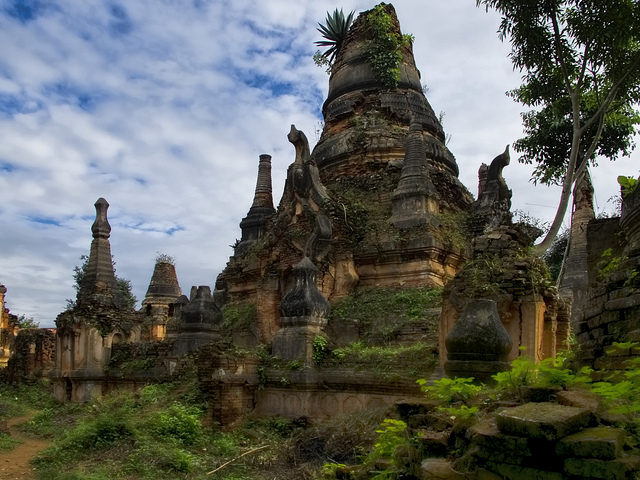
pixel 334 31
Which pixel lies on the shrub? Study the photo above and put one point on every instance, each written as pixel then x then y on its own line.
pixel 177 422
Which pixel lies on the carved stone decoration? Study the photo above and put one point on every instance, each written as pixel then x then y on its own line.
pixel 309 195
pixel 304 174
pixel 415 197
pixel 493 206
pixel 303 315
pixel 254 224
pixel 199 323
pixel 477 344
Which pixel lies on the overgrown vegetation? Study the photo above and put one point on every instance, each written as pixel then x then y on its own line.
pixel 334 32
pixel 238 315
pixel 457 403
pixel 628 185
pixel 380 313
pixel 123 286
pixel 384 48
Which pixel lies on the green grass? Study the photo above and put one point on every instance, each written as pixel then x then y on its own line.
pixel 18 400
pixel 7 442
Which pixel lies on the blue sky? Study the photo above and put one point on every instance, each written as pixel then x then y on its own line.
pixel 164 106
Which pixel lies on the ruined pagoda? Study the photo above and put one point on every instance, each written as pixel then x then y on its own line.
pixel 97 319
pixel 377 201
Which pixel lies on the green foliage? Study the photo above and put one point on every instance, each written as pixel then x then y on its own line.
pixel 554 256
pixel 123 286
pixel 332 470
pixel 628 185
pixel 379 313
pixel 17 400
pixel 320 348
pixel 581 62
pixel 610 263
pixel 177 422
pixel 7 442
pixel 27 322
pixel 620 389
pixel 384 49
pixel 239 315
pixel 391 445
pixel 164 258
pixel 489 275
pixel 521 374
pixel 581 73
pixel 550 372
pixel 450 390
pixel 334 32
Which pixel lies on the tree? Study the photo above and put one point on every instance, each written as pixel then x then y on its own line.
pixel 123 286
pixel 334 33
pixel 581 71
pixel 27 322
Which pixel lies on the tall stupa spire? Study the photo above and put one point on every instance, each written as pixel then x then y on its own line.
pixel 261 210
pixel 99 281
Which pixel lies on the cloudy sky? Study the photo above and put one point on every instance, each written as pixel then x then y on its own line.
pixel 163 107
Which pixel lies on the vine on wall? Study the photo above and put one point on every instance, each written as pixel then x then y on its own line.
pixel 384 50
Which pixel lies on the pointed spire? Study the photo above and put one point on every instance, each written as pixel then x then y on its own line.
pixel 254 223
pixel 413 199
pixel 262 197
pixel 99 281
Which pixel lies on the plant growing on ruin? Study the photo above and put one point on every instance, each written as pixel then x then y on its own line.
pixel 123 286
pixel 334 32
pixel 392 446
pixel 628 185
pixel 320 348
pixel 384 49
pixel 164 258
pixel 454 396
pixel 27 322
pixel 581 66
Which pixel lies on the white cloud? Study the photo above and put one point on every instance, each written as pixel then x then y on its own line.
pixel 163 107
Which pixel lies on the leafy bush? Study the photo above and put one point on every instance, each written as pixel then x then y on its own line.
pixel 177 422
pixel 628 184
pixel 320 348
pixel 450 390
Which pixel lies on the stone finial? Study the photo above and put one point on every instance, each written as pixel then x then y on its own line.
pixel 304 300
pixel 101 227
pixel 414 198
pixel 477 344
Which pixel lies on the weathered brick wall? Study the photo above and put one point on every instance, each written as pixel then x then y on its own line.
pixel 612 311
pixel 612 315
pixel 33 355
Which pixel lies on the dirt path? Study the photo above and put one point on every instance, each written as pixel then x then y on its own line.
pixel 14 464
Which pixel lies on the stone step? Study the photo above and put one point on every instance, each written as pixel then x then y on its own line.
pixel 604 443
pixel 543 421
